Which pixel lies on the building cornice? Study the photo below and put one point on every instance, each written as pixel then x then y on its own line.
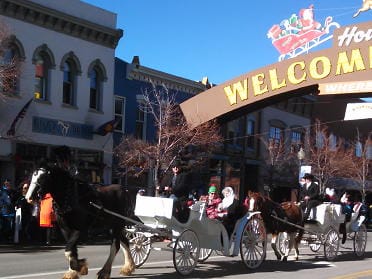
pixel 39 15
pixel 139 72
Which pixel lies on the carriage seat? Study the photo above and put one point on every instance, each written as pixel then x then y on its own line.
pixel 327 212
pixel 147 208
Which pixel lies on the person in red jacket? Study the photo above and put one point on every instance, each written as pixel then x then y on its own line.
pixel 213 201
pixel 47 217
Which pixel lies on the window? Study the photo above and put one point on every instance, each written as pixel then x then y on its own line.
pixel 297 139
pixel 42 77
pixel 119 113
pixel 95 90
pixel 97 76
pixel 141 122
pixel 235 131
pixel 71 68
pixel 43 60
pixel 332 142
pixel 9 73
pixel 276 134
pixel 11 55
pixel 68 83
pixel 319 141
pixel 250 133
pixel 358 149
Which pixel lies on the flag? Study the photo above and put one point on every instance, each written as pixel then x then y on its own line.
pixel 21 114
pixel 107 127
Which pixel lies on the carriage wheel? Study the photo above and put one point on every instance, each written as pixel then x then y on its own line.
pixel 204 254
pixel 140 247
pixel 360 241
pixel 331 244
pixel 253 243
pixel 282 241
pixel 186 252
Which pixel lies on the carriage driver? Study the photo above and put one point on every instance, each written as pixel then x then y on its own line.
pixel 309 195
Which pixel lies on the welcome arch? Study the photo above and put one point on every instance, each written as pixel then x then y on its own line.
pixel 346 68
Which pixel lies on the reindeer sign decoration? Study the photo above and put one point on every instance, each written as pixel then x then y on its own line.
pixel 367 5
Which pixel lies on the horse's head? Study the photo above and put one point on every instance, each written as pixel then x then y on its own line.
pixel 37 187
pixel 255 201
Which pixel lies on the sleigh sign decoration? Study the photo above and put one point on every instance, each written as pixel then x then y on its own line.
pixel 300 33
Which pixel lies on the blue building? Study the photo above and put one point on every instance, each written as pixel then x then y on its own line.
pixel 131 81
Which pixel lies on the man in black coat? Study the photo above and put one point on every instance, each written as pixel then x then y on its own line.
pixel 177 186
pixel 310 195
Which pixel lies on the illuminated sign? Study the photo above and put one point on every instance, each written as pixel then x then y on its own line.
pixel 350 60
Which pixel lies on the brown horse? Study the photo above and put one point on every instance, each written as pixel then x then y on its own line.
pixel 288 211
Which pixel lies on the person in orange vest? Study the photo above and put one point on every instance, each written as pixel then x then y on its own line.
pixel 47 217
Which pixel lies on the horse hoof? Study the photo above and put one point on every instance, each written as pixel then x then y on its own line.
pixel 71 275
pixel 127 270
pixel 296 258
pixel 284 259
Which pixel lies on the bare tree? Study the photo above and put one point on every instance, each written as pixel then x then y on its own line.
pixel 360 165
pixel 175 139
pixel 327 155
pixel 280 165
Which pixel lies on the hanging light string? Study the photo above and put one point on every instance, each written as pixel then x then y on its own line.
pixel 284 130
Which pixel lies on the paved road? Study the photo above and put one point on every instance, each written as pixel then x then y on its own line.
pixel 48 262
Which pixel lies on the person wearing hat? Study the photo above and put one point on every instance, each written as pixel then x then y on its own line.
pixel 213 200
pixel 176 187
pixel 309 195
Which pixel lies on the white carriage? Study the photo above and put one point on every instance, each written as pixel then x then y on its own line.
pixel 324 228
pixel 194 240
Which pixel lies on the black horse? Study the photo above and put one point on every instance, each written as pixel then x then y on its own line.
pixel 72 203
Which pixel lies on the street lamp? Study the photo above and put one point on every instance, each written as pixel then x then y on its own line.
pixel 300 155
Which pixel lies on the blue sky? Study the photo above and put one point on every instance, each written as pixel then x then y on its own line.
pixel 220 39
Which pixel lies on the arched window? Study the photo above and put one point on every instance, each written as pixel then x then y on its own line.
pixel 71 68
pixel 42 68
pixel 11 54
pixel 94 90
pixel 44 62
pixel 68 84
pixel 97 76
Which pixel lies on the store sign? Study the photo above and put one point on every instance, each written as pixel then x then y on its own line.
pixel 358 111
pixel 345 87
pixel 350 60
pixel 61 128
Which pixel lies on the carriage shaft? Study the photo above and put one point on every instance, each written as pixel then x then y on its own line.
pixel 139 224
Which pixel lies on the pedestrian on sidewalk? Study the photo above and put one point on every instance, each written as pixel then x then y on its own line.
pixel 47 218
